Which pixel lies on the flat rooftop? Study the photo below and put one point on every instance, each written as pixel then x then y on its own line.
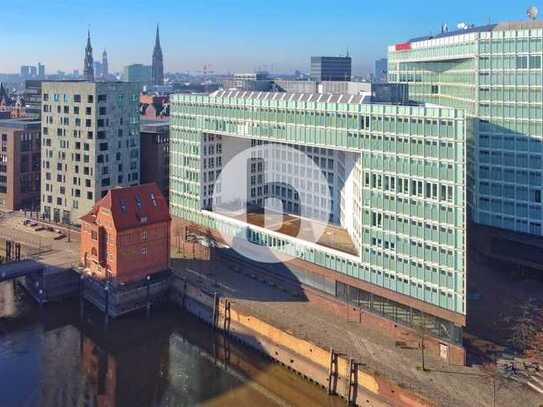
pixel 504 26
pixel 334 237
pixel 20 123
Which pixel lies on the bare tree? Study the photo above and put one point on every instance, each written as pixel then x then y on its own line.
pixel 421 330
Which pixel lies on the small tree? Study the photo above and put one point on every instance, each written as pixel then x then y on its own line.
pixel 420 328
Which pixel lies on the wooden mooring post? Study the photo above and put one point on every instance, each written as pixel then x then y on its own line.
pixel 215 309
pixel 333 373
pixel 82 297
pixel 353 382
pixel 148 295
pixel 106 308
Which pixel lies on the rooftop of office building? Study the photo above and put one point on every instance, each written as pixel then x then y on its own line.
pixel 291 97
pixel 383 94
pixel 503 26
pixel 154 126
pixel 20 123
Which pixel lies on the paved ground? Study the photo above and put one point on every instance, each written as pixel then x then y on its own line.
pixel 41 245
pixel 449 386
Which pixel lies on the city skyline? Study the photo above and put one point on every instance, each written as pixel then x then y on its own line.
pixel 227 36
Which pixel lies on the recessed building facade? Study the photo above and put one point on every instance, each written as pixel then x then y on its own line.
pixel 393 185
pixel 155 154
pixel 90 144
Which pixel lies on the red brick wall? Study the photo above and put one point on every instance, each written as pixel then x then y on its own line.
pixel 129 255
pixel 138 255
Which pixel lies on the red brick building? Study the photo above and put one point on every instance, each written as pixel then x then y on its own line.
pixel 20 164
pixel 154 107
pixel 126 235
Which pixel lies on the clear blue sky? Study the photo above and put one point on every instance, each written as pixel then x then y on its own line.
pixel 229 35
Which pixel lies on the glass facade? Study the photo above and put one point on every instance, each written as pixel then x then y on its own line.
pixel 496 75
pixel 410 175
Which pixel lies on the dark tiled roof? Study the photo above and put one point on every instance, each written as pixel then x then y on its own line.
pixel 132 207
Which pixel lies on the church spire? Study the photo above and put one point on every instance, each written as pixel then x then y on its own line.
pixel 105 65
pixel 158 64
pixel 88 66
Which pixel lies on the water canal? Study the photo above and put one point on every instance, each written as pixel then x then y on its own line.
pixel 53 357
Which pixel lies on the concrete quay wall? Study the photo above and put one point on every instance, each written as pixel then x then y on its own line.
pixel 337 373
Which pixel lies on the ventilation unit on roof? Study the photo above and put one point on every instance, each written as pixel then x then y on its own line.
pixel 464 26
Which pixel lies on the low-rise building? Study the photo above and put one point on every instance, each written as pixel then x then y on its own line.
pixel 20 159
pixel 126 235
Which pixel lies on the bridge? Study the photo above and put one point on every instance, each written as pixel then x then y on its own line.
pixel 43 282
pixel 13 270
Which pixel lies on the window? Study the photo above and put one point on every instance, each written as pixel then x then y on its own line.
pixel 138 201
pixel 144 251
pixel 435 89
pixel 90 99
pixel 144 235
pixel 153 199
pixel 522 62
pixel 535 61
pixel 94 235
pixel 77 98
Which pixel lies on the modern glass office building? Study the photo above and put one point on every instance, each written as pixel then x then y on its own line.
pixel 494 73
pixel 396 180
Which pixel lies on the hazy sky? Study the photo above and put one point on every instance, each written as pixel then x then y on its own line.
pixel 229 35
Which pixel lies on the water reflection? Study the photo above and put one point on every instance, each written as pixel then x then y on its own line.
pixel 53 358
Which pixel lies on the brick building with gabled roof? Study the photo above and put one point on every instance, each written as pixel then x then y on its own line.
pixel 126 235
